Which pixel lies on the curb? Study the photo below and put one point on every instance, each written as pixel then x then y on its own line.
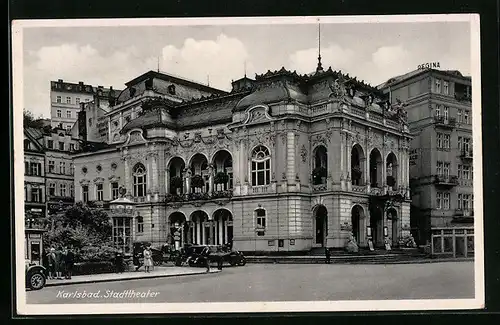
pixel 56 284
pixel 360 262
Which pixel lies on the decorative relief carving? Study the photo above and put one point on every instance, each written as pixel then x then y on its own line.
pixel 303 153
pixel 283 137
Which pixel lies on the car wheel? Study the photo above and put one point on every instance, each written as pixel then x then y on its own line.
pixel 36 281
pixel 243 262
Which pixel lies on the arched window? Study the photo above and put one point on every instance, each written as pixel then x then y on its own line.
pixel 139 174
pixel 140 224
pixel 261 166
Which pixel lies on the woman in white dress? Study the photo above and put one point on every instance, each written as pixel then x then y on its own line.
pixel 148 259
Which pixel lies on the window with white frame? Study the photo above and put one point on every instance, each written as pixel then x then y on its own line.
pixel 466 172
pixel 459 201
pixel 85 193
pixel 446 169
pixel 446 88
pixel 460 171
pixel 114 190
pixel 62 189
pixel 261 166
pixel 445 112
pixel 439 200
pixel 260 218
pixel 58 99
pixel 68 100
pixel 36 194
pixel 71 169
pixel 140 224
pixel 438 86
pixel 139 178
pixel 59 113
pixel 62 167
pixel 437 112
pixel 52 189
pixel 52 166
pixel 466 117
pixel 446 201
pixel 466 144
pixel 68 114
pixel 459 116
pixel 466 202
pixel 77 100
pixel 439 168
pixel 446 141
pixel 100 192
pixel 460 143
pixel 439 140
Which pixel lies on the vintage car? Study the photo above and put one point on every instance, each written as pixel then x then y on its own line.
pixel 215 253
pixel 36 275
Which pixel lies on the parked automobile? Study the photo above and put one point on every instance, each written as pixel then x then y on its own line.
pixel 232 257
pixel 36 276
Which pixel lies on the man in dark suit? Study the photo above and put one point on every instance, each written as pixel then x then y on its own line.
pixel 69 261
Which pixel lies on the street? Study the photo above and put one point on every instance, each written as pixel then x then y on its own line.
pixel 280 282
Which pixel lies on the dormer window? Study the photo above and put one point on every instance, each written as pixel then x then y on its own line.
pixel 171 89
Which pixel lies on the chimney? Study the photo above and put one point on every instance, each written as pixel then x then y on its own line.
pixel 80 83
pixel 60 80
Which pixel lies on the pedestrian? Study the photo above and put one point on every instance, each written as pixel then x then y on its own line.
pixel 136 261
pixel 69 262
pixel 219 262
pixel 45 259
pixel 119 266
pixel 51 262
pixel 204 255
pixel 148 259
pixel 58 262
pixel 328 255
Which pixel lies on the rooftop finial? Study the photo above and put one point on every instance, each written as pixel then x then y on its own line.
pixel 245 67
pixel 320 67
pixel 208 80
pixel 158 64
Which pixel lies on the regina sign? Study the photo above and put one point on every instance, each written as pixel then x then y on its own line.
pixel 429 65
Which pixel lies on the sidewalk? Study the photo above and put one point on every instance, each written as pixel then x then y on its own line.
pixel 353 259
pixel 158 272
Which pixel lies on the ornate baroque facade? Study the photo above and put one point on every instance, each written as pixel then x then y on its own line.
pixel 285 162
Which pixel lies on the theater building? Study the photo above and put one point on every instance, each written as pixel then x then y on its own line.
pixel 282 162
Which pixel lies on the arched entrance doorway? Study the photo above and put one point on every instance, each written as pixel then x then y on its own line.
pixel 175 180
pixel 179 230
pixel 223 171
pixel 392 217
pixel 377 227
pixel 320 225
pixel 199 174
pixel 357 216
pixel 201 228
pixel 223 227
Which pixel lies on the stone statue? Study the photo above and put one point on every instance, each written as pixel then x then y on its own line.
pixel 352 246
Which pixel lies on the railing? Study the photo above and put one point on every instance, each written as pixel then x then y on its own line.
pixel 358 111
pixel 140 199
pixel 358 188
pixel 261 189
pixel 466 154
pixel 376 118
pixel 319 187
pixel 452 242
pixel 443 121
pixel 392 123
pixel 464 212
pixel 198 196
pixel 121 211
pixel 446 180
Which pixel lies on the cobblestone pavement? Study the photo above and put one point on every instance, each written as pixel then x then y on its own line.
pixel 280 282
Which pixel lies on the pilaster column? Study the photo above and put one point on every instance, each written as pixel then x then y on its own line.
pixel 109 130
pixel 220 222
pixel 156 176
pixel 343 150
pixel 210 179
pixel 198 231
pixel 126 167
pixel 211 239
pixel 167 181
pixel 290 159
pixel 225 231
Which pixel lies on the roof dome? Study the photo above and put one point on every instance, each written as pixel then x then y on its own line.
pixel 273 93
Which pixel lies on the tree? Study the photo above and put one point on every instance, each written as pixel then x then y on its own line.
pixel 29 120
pixel 87 229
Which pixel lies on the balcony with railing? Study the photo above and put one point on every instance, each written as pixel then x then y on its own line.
pixel 199 196
pixel 466 154
pixel 445 122
pixel 263 189
pixel 446 180
pixel 34 223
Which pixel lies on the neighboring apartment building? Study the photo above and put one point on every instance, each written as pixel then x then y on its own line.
pixel 285 162
pixel 440 119
pixel 66 98
pixel 59 169
pixel 49 181
pixel 34 174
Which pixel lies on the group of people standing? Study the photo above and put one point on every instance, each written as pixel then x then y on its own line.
pixel 59 262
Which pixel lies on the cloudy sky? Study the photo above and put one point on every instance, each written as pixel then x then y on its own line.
pixel 111 56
